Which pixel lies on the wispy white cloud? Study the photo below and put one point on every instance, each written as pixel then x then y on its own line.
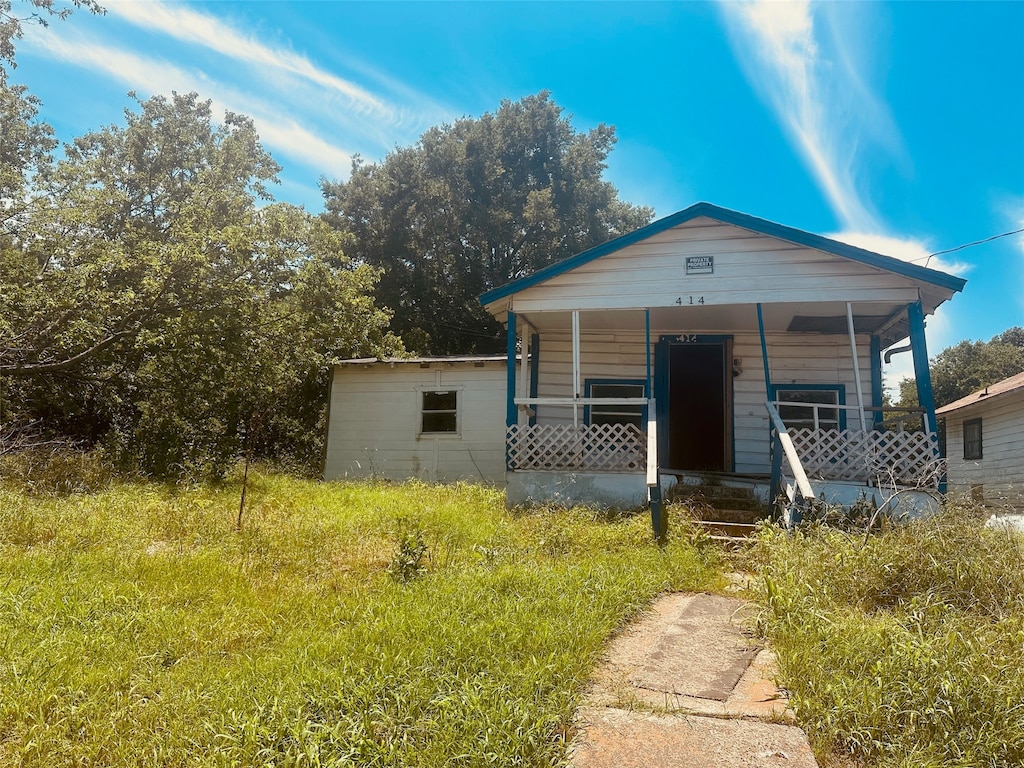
pixel 183 23
pixel 283 135
pixel 810 77
pixel 904 249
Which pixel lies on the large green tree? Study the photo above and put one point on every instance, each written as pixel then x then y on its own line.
pixel 153 297
pixel 969 366
pixel 472 206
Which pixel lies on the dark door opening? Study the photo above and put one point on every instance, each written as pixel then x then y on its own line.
pixel 698 433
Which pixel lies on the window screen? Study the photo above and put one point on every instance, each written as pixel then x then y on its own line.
pixel 972 439
pixel 802 416
pixel 617 414
pixel 440 412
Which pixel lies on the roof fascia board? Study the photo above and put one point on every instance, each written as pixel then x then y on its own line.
pixel 746 221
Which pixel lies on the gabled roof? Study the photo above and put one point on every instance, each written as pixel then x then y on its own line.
pixel 1004 387
pixel 726 216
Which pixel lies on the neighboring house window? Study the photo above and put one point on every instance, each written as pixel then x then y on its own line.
pixel 616 414
pixel 440 412
pixel 802 416
pixel 972 439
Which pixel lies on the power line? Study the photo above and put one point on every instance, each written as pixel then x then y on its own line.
pixel 968 245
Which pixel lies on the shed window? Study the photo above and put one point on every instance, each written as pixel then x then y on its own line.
pixel 799 414
pixel 440 412
pixel 972 439
pixel 616 414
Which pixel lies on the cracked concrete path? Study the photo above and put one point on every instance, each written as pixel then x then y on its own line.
pixel 687 687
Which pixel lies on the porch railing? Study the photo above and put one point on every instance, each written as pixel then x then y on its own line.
pixel 564 447
pixel 887 456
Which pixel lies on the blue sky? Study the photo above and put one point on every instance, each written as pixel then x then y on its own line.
pixel 897 127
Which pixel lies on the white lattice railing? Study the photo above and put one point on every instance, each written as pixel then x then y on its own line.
pixel 906 458
pixel 594 447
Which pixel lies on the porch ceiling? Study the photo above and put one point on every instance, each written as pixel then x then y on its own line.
pixel 886 319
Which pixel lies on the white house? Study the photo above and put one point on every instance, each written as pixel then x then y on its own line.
pixel 985 443
pixel 708 343
pixel 712 342
pixel 437 419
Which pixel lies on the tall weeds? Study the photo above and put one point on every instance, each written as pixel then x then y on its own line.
pixel 141 628
pixel 904 649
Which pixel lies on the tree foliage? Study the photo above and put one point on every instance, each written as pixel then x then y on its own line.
pixel 13 17
pixel 152 296
pixel 969 366
pixel 472 206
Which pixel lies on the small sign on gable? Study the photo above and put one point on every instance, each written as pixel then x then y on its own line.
pixel 700 265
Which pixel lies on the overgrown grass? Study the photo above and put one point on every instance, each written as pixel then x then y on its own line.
pixel 140 628
pixel 905 649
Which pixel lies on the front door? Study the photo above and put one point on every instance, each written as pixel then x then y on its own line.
pixel 696 387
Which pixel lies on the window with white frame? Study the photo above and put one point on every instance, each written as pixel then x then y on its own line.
pixel 799 406
pixel 440 412
pixel 626 413
pixel 972 439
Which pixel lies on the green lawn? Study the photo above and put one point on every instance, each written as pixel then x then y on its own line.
pixel 140 628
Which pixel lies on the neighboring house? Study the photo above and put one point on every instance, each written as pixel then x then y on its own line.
pixel 714 343
pixel 985 443
pixel 437 419
pixel 707 344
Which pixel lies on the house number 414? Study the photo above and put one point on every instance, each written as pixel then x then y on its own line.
pixel 689 300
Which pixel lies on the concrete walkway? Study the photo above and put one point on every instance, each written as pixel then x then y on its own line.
pixel 686 687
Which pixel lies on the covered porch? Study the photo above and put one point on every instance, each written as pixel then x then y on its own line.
pixel 708 343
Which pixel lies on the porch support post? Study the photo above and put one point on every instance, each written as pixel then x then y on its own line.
pixel 511 413
pixel 534 371
pixel 575 368
pixel 764 353
pixel 876 379
pixel 647 350
pixel 925 394
pixel 856 367
pixel 524 363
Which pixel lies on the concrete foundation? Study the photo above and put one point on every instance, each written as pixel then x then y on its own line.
pixel 614 490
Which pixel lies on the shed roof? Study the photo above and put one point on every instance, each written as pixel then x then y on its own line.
pixel 424 360
pixel 752 223
pixel 991 392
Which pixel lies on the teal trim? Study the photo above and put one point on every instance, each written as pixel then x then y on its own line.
pixel 534 372
pixel 752 223
pixel 659 518
pixel 764 352
pixel 588 383
pixel 923 376
pixel 876 379
pixel 511 414
pixel 775 489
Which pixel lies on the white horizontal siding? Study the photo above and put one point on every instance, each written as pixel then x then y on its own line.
pixel 749 268
pixel 810 359
pixel 1000 471
pixel 375 421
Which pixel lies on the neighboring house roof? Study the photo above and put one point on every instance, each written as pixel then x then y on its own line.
pixel 992 392
pixel 752 223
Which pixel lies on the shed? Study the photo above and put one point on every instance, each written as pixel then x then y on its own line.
pixel 438 419
pixel 985 443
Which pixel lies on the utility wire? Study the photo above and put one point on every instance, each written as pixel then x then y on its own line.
pixel 968 245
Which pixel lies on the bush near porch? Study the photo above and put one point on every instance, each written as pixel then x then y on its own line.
pixel 346 623
pixel 904 649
